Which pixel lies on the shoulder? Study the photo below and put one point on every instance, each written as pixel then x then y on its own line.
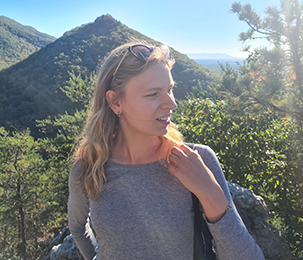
pixel 77 168
pixel 211 161
pixel 203 150
pixel 76 173
pixel 207 154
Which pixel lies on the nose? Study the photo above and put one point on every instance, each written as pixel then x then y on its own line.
pixel 169 103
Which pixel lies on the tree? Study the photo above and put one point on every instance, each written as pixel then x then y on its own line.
pixel 23 192
pixel 34 187
pixel 271 80
pixel 272 77
pixel 80 91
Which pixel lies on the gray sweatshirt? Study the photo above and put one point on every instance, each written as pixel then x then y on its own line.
pixel 146 213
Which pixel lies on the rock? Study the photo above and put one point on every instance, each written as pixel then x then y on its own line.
pixel 63 247
pixel 254 214
pixel 251 208
pixel 66 250
pixel 59 239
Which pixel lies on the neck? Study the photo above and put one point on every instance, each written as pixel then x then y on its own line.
pixel 138 151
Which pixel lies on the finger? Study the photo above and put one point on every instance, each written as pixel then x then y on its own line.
pixel 178 152
pixel 172 168
pixel 185 148
pixel 174 159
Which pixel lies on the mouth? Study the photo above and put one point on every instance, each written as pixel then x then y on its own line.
pixel 166 118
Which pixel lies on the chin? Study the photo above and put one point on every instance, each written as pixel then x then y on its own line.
pixel 163 131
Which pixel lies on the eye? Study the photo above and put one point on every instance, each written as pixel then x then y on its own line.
pixel 152 95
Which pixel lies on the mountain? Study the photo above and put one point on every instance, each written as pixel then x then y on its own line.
pixel 17 41
pixel 30 89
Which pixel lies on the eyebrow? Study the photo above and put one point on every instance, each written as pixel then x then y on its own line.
pixel 158 88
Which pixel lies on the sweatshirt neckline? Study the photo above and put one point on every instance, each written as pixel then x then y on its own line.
pixel 111 162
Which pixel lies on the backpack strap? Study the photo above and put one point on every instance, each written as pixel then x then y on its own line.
pixel 203 249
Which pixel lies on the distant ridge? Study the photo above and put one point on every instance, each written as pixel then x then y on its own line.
pixel 212 61
pixel 17 41
pixel 31 89
pixel 213 56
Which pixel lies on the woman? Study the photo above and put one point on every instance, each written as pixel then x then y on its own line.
pixel 134 176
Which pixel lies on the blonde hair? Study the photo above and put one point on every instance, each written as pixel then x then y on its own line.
pixel 102 124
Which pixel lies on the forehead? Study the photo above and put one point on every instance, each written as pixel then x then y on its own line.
pixel 157 75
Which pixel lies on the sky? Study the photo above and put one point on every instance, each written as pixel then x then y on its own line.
pixel 189 26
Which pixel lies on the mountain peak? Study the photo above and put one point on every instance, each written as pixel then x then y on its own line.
pixel 103 25
pixel 105 17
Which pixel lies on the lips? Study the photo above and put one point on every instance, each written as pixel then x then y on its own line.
pixel 164 118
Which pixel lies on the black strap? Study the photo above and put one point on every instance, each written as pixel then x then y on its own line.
pixel 203 249
pixel 199 243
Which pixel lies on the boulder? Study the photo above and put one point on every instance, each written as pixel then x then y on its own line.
pixel 63 247
pixel 254 214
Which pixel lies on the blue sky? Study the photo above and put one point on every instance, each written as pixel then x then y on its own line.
pixel 189 26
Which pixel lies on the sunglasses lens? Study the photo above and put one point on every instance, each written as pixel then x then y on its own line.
pixel 141 52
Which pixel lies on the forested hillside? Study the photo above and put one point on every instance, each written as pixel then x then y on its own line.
pixel 17 41
pixel 30 90
pixel 252 118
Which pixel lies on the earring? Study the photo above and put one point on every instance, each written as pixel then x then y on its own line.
pixel 119 114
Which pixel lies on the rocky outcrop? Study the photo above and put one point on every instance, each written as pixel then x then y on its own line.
pixel 251 208
pixel 254 214
pixel 63 247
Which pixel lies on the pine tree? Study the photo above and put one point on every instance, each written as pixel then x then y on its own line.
pixel 272 77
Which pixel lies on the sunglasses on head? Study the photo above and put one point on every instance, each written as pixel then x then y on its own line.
pixel 141 52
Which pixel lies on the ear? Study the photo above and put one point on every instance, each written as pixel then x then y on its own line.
pixel 114 101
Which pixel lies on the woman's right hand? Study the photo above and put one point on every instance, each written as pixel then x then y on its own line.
pixel 188 166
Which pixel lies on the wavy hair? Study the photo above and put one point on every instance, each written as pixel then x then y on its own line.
pixel 98 137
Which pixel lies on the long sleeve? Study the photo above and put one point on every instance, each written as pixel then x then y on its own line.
pixel 78 213
pixel 230 236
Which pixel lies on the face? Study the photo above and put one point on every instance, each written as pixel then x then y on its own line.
pixel 148 102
